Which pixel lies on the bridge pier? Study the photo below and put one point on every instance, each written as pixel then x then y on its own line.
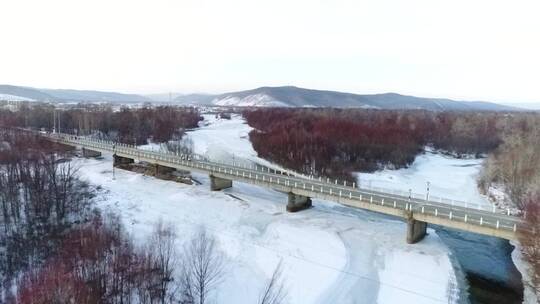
pixel 297 202
pixel 162 170
pixel 120 160
pixel 218 183
pixel 90 153
pixel 416 230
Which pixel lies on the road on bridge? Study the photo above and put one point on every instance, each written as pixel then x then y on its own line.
pixel 488 222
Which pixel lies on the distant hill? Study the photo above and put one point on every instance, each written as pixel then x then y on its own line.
pixel 195 99
pixel 184 99
pixel 81 95
pixel 287 96
pixel 164 97
pixel 290 96
pixel 526 106
pixel 58 95
pixel 24 93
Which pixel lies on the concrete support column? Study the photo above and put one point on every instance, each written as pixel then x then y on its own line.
pixel 297 202
pixel 90 153
pixel 217 183
pixel 163 170
pixel 416 230
pixel 119 160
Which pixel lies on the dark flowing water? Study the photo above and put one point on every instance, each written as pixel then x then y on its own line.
pixel 490 272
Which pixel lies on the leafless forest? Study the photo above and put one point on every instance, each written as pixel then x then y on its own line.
pixel 127 125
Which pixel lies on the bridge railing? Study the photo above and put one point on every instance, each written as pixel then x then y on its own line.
pixel 488 221
pixel 412 195
pixel 455 215
pixel 419 198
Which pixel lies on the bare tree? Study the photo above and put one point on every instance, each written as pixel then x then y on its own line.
pixel 203 268
pixel 530 241
pixel 274 291
pixel 182 146
pixel 158 264
pixel 163 246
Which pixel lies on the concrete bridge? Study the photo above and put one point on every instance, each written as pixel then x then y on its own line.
pixel 417 212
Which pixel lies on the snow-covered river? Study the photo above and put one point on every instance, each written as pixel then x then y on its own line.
pixel 330 253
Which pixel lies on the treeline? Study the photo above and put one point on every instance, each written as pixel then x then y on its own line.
pixel 127 125
pixel 335 142
pixel 515 165
pixel 514 168
pixel 529 240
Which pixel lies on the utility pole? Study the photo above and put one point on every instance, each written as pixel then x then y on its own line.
pixel 54 121
pixel 427 193
pixel 114 157
pixel 58 116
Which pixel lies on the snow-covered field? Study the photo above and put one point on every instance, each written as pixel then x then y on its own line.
pixel 330 253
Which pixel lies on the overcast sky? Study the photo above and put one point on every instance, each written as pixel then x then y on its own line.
pixel 466 49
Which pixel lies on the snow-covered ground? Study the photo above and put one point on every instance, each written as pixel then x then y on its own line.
pixel 498 196
pixel 330 253
pixel 9 97
pixel 448 178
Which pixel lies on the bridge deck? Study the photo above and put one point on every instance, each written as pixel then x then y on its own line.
pixel 493 223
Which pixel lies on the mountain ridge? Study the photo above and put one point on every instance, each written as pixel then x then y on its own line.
pixel 291 96
pixel 69 95
pixel 282 96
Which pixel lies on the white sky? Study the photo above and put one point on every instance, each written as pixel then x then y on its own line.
pixel 466 49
